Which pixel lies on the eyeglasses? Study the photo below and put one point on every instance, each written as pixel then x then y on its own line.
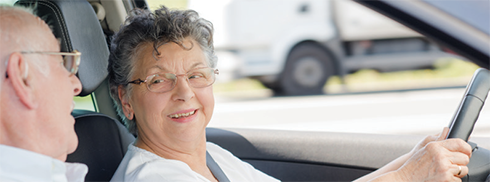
pixel 164 82
pixel 71 60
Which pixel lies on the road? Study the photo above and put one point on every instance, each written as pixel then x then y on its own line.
pixel 407 112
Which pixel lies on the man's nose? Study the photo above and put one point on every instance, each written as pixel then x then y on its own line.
pixel 77 85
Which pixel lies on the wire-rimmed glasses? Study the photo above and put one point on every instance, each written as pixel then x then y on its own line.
pixel 164 82
pixel 71 60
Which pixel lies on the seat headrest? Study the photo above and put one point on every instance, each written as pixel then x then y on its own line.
pixel 81 32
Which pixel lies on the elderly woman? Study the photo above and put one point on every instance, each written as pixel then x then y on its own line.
pixel 162 66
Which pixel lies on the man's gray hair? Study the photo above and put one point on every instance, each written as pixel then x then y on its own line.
pixel 11 39
pixel 143 27
pixel 5 7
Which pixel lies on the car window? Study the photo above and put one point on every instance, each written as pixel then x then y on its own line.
pixel 383 100
pixel 85 103
pixel 473 12
pixel 155 4
pixel 396 81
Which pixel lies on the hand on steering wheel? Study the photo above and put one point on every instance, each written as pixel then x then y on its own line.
pixel 437 159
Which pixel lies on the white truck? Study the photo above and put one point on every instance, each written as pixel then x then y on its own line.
pixel 312 39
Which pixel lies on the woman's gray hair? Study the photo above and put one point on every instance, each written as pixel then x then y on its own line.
pixel 143 27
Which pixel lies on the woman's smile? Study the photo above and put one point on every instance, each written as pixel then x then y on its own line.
pixel 183 116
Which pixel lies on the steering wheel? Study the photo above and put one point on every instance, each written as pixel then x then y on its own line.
pixel 464 120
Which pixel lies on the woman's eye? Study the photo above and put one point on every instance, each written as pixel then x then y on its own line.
pixel 157 81
pixel 196 75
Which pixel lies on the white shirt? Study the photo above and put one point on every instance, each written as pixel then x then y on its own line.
pixel 141 165
pixel 22 165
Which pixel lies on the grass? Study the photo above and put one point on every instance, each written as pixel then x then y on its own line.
pixel 447 72
pixel 444 68
pixel 245 84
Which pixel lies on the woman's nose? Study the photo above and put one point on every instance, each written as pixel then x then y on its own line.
pixel 183 90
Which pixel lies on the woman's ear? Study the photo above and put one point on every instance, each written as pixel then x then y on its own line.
pixel 126 106
pixel 18 75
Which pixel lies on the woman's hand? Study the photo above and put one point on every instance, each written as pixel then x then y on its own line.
pixel 430 138
pixel 437 159
pixel 432 159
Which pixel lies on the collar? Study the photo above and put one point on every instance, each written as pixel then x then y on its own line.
pixel 22 165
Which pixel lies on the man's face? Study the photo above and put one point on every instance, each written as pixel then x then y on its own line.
pixel 55 91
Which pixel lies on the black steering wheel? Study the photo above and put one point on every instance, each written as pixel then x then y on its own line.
pixel 464 120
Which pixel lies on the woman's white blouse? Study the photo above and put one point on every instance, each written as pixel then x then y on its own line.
pixel 141 165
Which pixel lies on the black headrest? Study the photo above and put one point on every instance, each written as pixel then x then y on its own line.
pixel 82 32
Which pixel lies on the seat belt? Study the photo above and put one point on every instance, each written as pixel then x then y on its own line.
pixel 215 169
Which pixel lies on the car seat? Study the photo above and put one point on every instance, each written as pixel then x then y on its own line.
pixel 103 140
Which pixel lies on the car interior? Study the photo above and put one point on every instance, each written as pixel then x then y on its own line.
pixel 103 141
pixel 286 155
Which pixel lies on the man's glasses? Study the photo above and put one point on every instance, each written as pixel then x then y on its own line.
pixel 71 60
pixel 164 82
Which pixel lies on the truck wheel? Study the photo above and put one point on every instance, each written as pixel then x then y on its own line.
pixel 307 69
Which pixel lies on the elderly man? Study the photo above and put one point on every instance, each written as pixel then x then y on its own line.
pixel 36 127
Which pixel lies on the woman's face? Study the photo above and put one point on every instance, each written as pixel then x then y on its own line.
pixel 176 116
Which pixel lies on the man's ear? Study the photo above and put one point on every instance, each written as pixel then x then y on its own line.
pixel 126 106
pixel 18 74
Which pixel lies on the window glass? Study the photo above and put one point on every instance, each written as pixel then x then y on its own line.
pixel 473 12
pixel 396 81
pixel 84 103
pixel 177 4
